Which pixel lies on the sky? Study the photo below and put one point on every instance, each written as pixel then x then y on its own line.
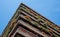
pixel 48 8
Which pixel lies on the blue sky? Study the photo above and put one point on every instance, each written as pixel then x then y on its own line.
pixel 48 8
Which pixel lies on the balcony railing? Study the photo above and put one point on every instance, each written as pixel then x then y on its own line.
pixel 26 9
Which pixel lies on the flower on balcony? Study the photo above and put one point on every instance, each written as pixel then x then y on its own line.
pixel 28 18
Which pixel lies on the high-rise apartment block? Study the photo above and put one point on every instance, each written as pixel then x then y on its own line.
pixel 28 23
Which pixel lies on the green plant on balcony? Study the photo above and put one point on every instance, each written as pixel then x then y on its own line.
pixel 40 20
pixel 36 24
pixel 37 17
pixel 42 28
pixel 46 26
pixel 27 10
pixel 55 35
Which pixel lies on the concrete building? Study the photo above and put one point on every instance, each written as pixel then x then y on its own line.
pixel 28 23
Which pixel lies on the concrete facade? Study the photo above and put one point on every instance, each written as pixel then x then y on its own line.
pixel 28 23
